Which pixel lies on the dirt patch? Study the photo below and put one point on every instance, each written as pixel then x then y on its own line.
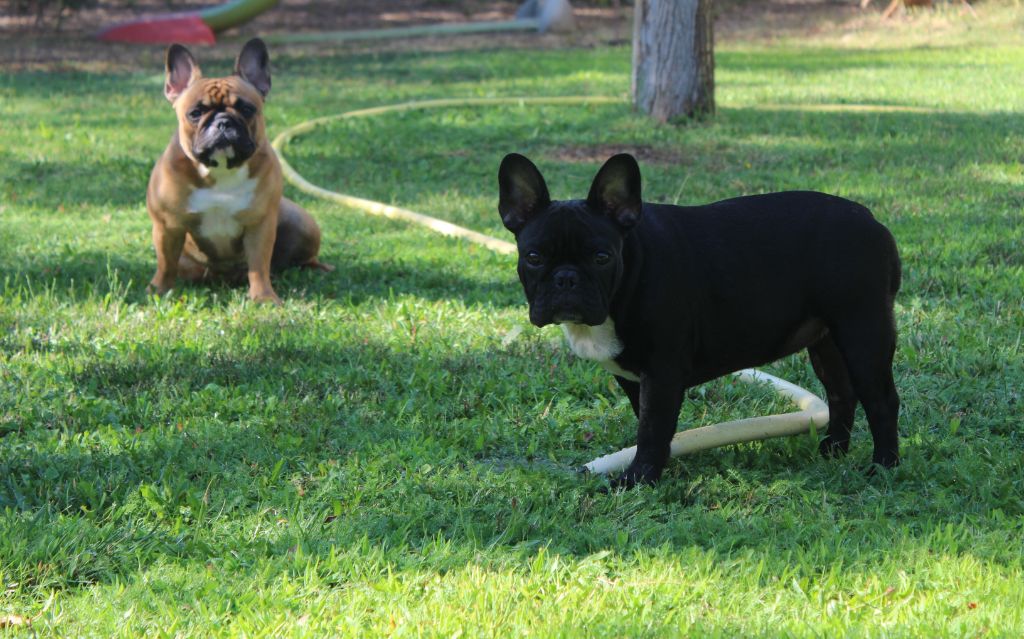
pixel 744 20
pixel 24 44
pixel 27 45
pixel 288 16
pixel 598 153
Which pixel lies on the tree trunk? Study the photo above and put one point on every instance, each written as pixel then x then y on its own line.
pixel 673 58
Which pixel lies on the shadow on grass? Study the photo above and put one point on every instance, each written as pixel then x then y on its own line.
pixel 78 276
pixel 397 504
pixel 883 158
pixel 99 181
pixel 330 445
pixel 404 442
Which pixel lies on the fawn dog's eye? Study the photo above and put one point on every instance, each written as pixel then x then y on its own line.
pixel 245 109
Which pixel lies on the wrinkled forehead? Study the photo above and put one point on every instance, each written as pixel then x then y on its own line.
pixel 569 225
pixel 223 91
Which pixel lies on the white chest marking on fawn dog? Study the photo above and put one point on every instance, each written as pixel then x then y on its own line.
pixel 597 343
pixel 217 205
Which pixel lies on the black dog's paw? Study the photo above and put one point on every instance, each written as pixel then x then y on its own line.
pixel 635 475
pixel 882 462
pixel 833 448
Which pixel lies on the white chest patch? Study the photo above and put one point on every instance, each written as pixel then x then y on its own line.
pixel 599 344
pixel 217 205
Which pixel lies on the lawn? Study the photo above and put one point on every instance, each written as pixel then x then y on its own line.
pixel 392 452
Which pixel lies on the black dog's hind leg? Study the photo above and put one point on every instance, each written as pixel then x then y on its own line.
pixel 867 344
pixel 842 401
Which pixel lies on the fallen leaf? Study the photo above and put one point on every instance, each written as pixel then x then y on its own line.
pixel 11 621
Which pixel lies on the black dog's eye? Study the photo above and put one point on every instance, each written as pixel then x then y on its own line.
pixel 195 113
pixel 533 258
pixel 601 258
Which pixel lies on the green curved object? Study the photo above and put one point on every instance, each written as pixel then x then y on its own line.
pixel 235 12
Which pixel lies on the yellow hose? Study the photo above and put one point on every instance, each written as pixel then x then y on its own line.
pixel 397 213
pixel 813 413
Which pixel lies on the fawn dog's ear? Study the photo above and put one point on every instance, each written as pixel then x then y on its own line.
pixel 253 64
pixel 181 71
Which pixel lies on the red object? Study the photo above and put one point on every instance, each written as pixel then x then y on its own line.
pixel 186 28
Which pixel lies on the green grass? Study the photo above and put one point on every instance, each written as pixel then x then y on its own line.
pixel 388 454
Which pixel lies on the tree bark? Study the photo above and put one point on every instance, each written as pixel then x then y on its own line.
pixel 673 59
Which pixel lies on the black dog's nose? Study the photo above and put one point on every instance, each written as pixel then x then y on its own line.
pixel 566 279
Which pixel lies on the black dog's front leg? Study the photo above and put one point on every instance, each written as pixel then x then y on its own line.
pixel 661 397
pixel 632 390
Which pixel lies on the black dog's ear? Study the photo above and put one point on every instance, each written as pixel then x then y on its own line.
pixel 522 192
pixel 253 64
pixel 616 190
pixel 181 71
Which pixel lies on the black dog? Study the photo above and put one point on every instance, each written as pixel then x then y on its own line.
pixel 668 297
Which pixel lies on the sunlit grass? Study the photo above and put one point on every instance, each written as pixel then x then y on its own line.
pixel 393 451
